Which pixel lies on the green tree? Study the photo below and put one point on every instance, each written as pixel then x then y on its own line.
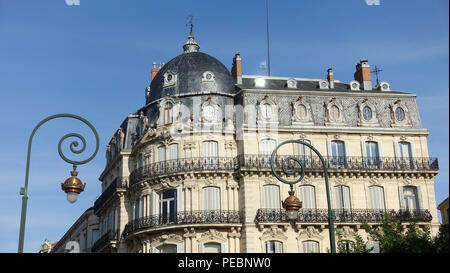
pixel 393 236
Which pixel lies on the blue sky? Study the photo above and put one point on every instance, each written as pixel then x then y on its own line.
pixel 94 60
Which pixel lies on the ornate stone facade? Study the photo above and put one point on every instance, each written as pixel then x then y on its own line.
pixel 195 172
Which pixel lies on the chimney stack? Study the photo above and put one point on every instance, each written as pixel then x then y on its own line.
pixel 362 74
pixel 330 78
pixel 155 70
pixel 236 70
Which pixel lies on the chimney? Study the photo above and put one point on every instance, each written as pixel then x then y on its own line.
pixel 236 70
pixel 362 74
pixel 155 70
pixel 330 78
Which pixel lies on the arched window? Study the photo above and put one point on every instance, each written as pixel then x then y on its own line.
pixel 167 248
pixel 168 113
pixel 211 199
pixel 274 247
pixel 310 247
pixel 272 197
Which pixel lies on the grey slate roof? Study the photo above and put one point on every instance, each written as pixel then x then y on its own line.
pixel 189 68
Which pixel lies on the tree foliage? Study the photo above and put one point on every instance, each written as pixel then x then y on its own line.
pixel 393 236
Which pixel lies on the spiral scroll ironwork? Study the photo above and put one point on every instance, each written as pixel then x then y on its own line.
pixel 291 170
pixel 73 145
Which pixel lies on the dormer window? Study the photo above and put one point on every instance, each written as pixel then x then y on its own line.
pixel 168 113
pixel 266 111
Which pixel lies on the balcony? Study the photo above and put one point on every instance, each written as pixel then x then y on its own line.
pixel 107 193
pixel 182 165
pixel 335 163
pixel 342 215
pixel 259 162
pixel 110 237
pixel 183 218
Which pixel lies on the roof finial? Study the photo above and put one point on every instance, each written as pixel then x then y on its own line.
pixel 191 45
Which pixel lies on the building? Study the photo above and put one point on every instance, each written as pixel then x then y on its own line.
pixel 443 208
pixel 190 170
pixel 79 238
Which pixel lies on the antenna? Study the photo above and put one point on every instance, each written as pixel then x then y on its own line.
pixel 267 30
pixel 376 71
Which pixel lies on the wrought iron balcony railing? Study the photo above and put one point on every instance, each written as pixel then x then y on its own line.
pixel 183 218
pixel 111 235
pixel 342 215
pixel 182 165
pixel 106 194
pixel 262 162
pixel 342 162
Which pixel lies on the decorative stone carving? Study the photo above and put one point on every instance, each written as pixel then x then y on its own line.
pixel 211 113
pixel 273 232
pixel 212 235
pixel 310 232
pixel 334 113
pixel 267 112
pixel 166 238
pixel 301 112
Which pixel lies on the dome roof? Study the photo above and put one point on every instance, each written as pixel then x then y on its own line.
pixel 188 76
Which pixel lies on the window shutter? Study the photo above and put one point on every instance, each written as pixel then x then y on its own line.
pixel 329 150
pixel 179 199
pixel 278 247
pixel 179 250
pixel 162 153
pixel 200 248
pixel 338 198
pixel 346 197
pixel 347 154
pixel 401 197
pixel 363 148
pixel 173 152
pixel 397 150
pixel 154 203
pixel 380 154
pixel 223 248
pixel 419 198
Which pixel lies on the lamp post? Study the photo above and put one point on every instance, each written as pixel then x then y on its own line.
pixel 72 186
pixel 292 204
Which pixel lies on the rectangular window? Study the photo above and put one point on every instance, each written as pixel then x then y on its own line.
pixel 304 153
pixel 172 163
pixel 372 159
pixel 266 149
pixel 410 198
pixel 307 196
pixel 272 197
pixel 210 155
pixel 161 159
pixel 168 206
pixel 376 194
pixel 338 156
pixel 342 203
pixel 211 199
pixel 95 236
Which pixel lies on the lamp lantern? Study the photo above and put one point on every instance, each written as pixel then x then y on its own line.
pixel 292 205
pixel 73 186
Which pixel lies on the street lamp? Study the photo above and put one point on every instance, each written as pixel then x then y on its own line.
pixel 292 204
pixel 72 186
